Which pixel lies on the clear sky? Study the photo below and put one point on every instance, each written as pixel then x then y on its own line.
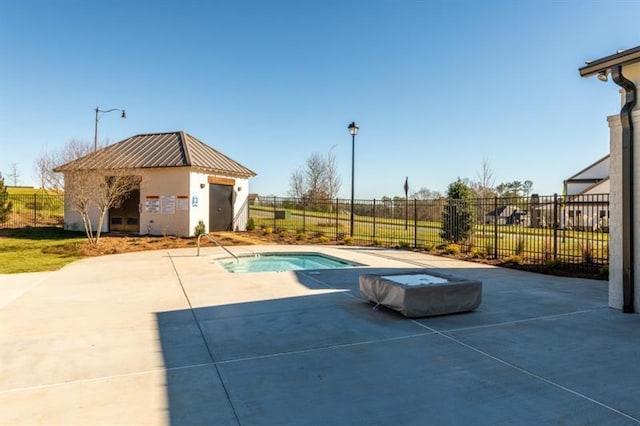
pixel 436 86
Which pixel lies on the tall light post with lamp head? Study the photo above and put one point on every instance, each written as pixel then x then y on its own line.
pixel 353 131
pixel 100 113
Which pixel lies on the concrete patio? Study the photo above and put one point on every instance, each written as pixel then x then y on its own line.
pixel 166 337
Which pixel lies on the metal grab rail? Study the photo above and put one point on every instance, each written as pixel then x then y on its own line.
pixel 217 243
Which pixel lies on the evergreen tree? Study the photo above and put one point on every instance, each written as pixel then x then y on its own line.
pixel 5 203
pixel 457 216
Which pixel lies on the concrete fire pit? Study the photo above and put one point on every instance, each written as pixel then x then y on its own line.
pixel 421 294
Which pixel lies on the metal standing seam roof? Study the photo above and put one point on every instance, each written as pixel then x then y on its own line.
pixel 154 150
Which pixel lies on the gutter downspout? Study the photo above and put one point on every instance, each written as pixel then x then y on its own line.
pixel 627 188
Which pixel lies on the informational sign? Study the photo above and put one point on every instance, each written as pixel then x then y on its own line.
pixel 183 202
pixel 168 204
pixel 194 201
pixel 152 204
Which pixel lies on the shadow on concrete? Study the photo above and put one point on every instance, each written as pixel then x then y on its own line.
pixel 539 349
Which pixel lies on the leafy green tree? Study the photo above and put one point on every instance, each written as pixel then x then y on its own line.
pixel 457 216
pixel 5 204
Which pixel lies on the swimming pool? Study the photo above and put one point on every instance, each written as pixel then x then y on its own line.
pixel 280 262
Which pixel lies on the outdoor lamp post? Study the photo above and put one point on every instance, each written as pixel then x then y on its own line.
pixel 353 131
pixel 100 113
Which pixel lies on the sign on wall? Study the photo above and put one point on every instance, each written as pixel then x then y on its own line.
pixel 152 204
pixel 183 202
pixel 168 204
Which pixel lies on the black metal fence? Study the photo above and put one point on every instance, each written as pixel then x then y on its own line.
pixel 38 209
pixel 539 229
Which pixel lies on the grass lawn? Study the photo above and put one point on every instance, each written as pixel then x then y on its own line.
pixel 38 249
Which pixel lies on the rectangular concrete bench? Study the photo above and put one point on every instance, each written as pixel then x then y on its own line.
pixel 421 294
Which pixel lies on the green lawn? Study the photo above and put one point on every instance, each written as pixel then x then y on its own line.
pixel 38 249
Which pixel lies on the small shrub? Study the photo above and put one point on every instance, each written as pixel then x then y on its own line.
pixel 604 270
pixel 553 264
pixel 477 253
pixel 199 229
pixel 513 259
pixel 430 246
pixel 348 240
pixel 320 234
pixel 519 247
pixel 489 248
pixel 284 233
pixel 404 244
pixel 251 224
pixel 452 248
pixel 267 230
pixel 547 249
pixel 378 242
pixel 586 250
pixel 324 239
pixel 301 236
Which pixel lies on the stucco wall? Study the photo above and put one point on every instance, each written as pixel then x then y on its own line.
pixel 199 187
pixel 172 202
pixel 615 209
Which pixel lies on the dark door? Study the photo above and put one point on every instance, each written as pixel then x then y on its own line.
pixel 126 218
pixel 220 207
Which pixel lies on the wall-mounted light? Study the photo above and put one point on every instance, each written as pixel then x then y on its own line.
pixel 239 188
pixel 602 76
pixel 202 186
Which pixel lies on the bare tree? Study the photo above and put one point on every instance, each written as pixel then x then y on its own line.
pixel 14 174
pixel 43 166
pixel 317 179
pixel 296 182
pixel 426 194
pixel 483 187
pixel 334 182
pixel 92 191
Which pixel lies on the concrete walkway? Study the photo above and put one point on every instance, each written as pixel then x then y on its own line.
pixel 166 337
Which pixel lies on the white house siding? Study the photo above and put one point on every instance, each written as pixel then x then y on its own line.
pixel 615 232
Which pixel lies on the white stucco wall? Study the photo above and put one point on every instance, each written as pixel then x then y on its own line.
pixel 172 202
pixel 199 187
pixel 615 208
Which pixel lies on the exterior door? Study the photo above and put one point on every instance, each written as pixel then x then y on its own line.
pixel 126 218
pixel 220 207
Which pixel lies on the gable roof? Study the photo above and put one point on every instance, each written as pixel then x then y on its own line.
pixel 153 150
pixel 591 166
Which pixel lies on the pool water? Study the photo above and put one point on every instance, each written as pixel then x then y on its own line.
pixel 279 262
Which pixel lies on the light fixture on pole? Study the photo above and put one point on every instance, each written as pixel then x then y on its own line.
pixel 100 113
pixel 353 131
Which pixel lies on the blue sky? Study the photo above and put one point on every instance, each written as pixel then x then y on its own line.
pixel 436 86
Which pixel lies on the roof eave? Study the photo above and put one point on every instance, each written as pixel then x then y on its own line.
pixel 625 57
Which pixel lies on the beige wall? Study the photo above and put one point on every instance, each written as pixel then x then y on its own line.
pixel 615 199
pixel 172 202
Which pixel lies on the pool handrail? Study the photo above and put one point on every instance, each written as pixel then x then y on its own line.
pixel 210 238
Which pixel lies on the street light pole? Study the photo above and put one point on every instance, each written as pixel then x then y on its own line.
pixel 100 113
pixel 353 130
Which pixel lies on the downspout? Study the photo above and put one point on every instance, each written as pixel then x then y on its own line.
pixel 627 188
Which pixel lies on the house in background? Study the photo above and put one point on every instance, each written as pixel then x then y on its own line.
pixel 586 198
pixel 507 215
pixel 183 181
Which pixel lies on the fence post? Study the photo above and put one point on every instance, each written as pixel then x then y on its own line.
pixel 304 217
pixel 274 214
pixel 35 210
pixel 415 223
pixel 337 206
pixel 555 226
pixel 374 219
pixel 495 226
